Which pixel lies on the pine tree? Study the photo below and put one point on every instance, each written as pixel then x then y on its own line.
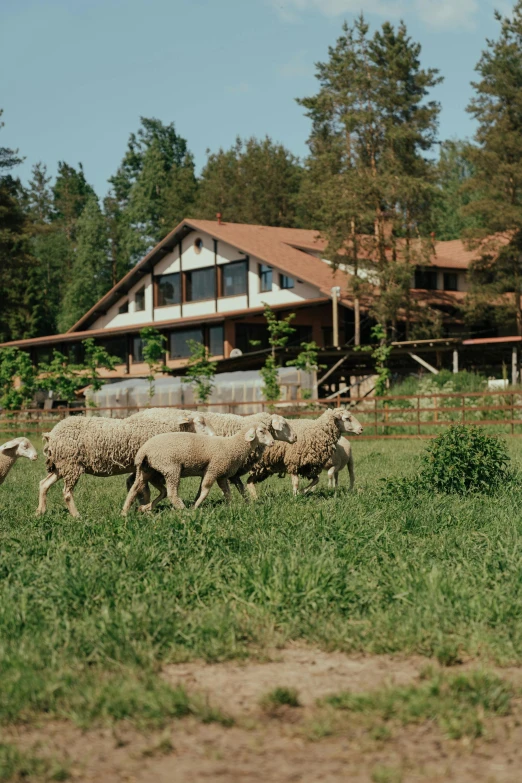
pixel 71 191
pixel 497 180
pixel 90 275
pixel 367 178
pixel 256 181
pixel 145 191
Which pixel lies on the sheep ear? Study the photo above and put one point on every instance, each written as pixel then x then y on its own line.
pixel 250 435
pixel 11 444
pixel 277 423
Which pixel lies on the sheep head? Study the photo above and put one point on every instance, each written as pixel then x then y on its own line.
pixel 19 447
pixel 346 422
pixel 282 429
pixel 259 436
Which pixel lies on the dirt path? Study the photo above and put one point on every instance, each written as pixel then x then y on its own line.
pixel 292 745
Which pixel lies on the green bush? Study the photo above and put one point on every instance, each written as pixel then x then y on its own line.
pixel 465 459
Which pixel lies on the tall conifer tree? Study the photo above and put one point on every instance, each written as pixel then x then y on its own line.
pixel 368 180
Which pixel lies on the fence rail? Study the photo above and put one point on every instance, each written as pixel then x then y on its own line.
pixel 413 416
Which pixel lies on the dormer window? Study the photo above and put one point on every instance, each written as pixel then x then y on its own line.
pixel 286 282
pixel 123 308
pixel 139 299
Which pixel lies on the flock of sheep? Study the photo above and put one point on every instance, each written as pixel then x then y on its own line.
pixel 159 447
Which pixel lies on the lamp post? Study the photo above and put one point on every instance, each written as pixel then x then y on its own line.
pixel 336 293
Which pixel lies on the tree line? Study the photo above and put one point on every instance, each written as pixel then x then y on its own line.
pixel 377 183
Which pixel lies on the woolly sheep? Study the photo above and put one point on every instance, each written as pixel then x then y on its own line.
pixel 227 424
pixel 10 451
pixel 316 441
pixel 176 455
pixel 100 447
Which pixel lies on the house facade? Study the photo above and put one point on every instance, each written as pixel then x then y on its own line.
pixel 209 281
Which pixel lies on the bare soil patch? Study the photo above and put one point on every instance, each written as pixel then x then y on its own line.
pixel 282 749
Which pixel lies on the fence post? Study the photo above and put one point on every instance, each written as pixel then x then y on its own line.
pixel 338 399
pixel 418 416
pixel 463 409
pixel 375 415
pixel 512 413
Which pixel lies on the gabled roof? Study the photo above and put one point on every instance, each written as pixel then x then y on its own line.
pixel 275 246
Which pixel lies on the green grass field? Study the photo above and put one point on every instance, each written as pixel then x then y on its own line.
pixel 91 609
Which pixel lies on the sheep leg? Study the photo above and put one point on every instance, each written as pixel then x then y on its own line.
pixel 252 489
pixel 144 495
pixel 225 488
pixel 137 487
pixel 351 471
pixel 69 485
pixel 206 486
pixel 236 481
pixel 45 485
pixel 333 478
pixel 311 486
pixel 159 484
pixel 295 485
pixel 172 479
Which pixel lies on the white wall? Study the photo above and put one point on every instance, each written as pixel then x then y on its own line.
pixel 113 318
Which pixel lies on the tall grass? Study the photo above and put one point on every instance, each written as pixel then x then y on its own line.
pixel 90 609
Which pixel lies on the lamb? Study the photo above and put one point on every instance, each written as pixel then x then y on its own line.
pixel 316 442
pixel 176 455
pixel 341 457
pixel 227 424
pixel 10 451
pixel 101 447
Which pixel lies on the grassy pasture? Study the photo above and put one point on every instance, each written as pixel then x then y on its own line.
pixel 91 609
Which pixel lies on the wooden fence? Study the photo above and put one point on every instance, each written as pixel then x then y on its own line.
pixel 420 415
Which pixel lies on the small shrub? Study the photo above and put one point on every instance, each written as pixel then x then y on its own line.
pixel 281 697
pixel 465 459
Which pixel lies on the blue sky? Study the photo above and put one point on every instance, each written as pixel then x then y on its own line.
pixel 75 75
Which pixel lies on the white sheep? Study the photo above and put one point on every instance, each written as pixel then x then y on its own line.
pixel 176 455
pixel 316 441
pixel 227 424
pixel 341 458
pixel 101 447
pixel 10 451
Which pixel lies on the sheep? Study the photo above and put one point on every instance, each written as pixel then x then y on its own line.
pixel 100 447
pixel 341 457
pixel 227 424
pixel 176 455
pixel 316 442
pixel 10 451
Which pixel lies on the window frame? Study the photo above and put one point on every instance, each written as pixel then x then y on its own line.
pixel 222 268
pixel 445 275
pixel 426 271
pixel 263 270
pixel 123 308
pixel 188 284
pixel 156 283
pixel 140 292
pixel 282 277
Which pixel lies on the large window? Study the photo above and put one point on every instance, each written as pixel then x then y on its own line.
pixel 201 284
pixel 179 342
pixel 168 289
pixel 139 299
pixel 286 282
pixel 216 340
pixel 265 278
pixel 451 281
pixel 426 278
pixel 235 278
